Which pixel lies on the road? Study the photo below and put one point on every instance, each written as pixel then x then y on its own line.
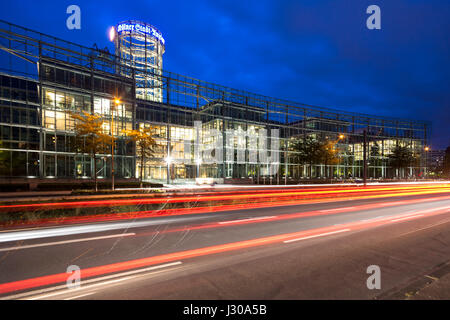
pixel 309 250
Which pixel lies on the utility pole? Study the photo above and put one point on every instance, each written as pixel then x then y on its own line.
pixel 116 103
pixel 112 149
pixel 168 171
pixel 365 158
pixel 285 167
pixel 426 162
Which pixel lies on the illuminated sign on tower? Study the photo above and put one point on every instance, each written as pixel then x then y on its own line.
pixel 141 46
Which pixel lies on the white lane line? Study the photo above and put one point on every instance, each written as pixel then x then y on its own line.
pixel 427 227
pixel 81 295
pixel 317 235
pixel 412 214
pixel 370 219
pixel 68 241
pixel 337 209
pixel 88 228
pixel 84 282
pixel 249 219
pixel 22 229
pixel 418 213
pixel 434 209
pixel 408 217
pixel 80 288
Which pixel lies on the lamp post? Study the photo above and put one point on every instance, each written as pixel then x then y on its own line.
pixel 116 103
pixel 365 157
pixel 199 162
pixel 333 148
pixel 341 137
pixel 426 160
pixel 168 161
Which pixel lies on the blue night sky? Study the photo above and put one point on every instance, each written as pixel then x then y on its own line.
pixel 314 52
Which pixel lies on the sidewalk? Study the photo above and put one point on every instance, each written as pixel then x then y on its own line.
pixel 438 287
pixel 437 290
pixel 32 193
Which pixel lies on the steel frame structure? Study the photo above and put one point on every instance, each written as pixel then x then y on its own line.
pixel 180 100
pixel 143 52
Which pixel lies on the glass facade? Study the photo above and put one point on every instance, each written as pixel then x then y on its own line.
pixel 202 130
pixel 141 51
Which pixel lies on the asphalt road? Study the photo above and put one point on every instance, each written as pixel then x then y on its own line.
pixel 308 251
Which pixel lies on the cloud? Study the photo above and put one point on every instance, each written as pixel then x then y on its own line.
pixel 315 52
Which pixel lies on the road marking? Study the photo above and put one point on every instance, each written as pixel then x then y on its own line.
pixel 432 278
pixel 408 217
pixel 81 295
pixel 337 209
pixel 427 227
pixel 180 255
pixel 317 235
pixel 67 241
pixel 22 229
pixel 434 209
pixel 372 218
pixel 419 213
pixel 249 219
pixel 88 287
pixel 83 282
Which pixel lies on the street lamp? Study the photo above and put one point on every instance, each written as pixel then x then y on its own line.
pixel 116 103
pixel 427 148
pixel 341 137
pixel 112 34
pixel 332 147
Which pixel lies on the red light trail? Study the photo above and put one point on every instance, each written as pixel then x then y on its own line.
pixel 227 207
pixel 187 254
pixel 202 198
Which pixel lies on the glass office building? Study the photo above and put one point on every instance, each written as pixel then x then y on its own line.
pixel 140 47
pixel 202 129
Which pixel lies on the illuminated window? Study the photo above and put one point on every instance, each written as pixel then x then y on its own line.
pixel 49 119
pixel 60 121
pixel 49 98
pixel 60 100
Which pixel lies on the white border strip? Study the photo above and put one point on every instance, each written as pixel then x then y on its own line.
pixel 68 241
pixel 317 235
pixel 83 282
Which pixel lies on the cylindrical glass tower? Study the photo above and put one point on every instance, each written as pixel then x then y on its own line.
pixel 141 46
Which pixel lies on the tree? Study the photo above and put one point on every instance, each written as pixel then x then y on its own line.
pixel 374 150
pixel 374 154
pixel 4 161
pixel 304 151
pixel 144 144
pixel 327 154
pixel 309 150
pixel 90 137
pixel 401 157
